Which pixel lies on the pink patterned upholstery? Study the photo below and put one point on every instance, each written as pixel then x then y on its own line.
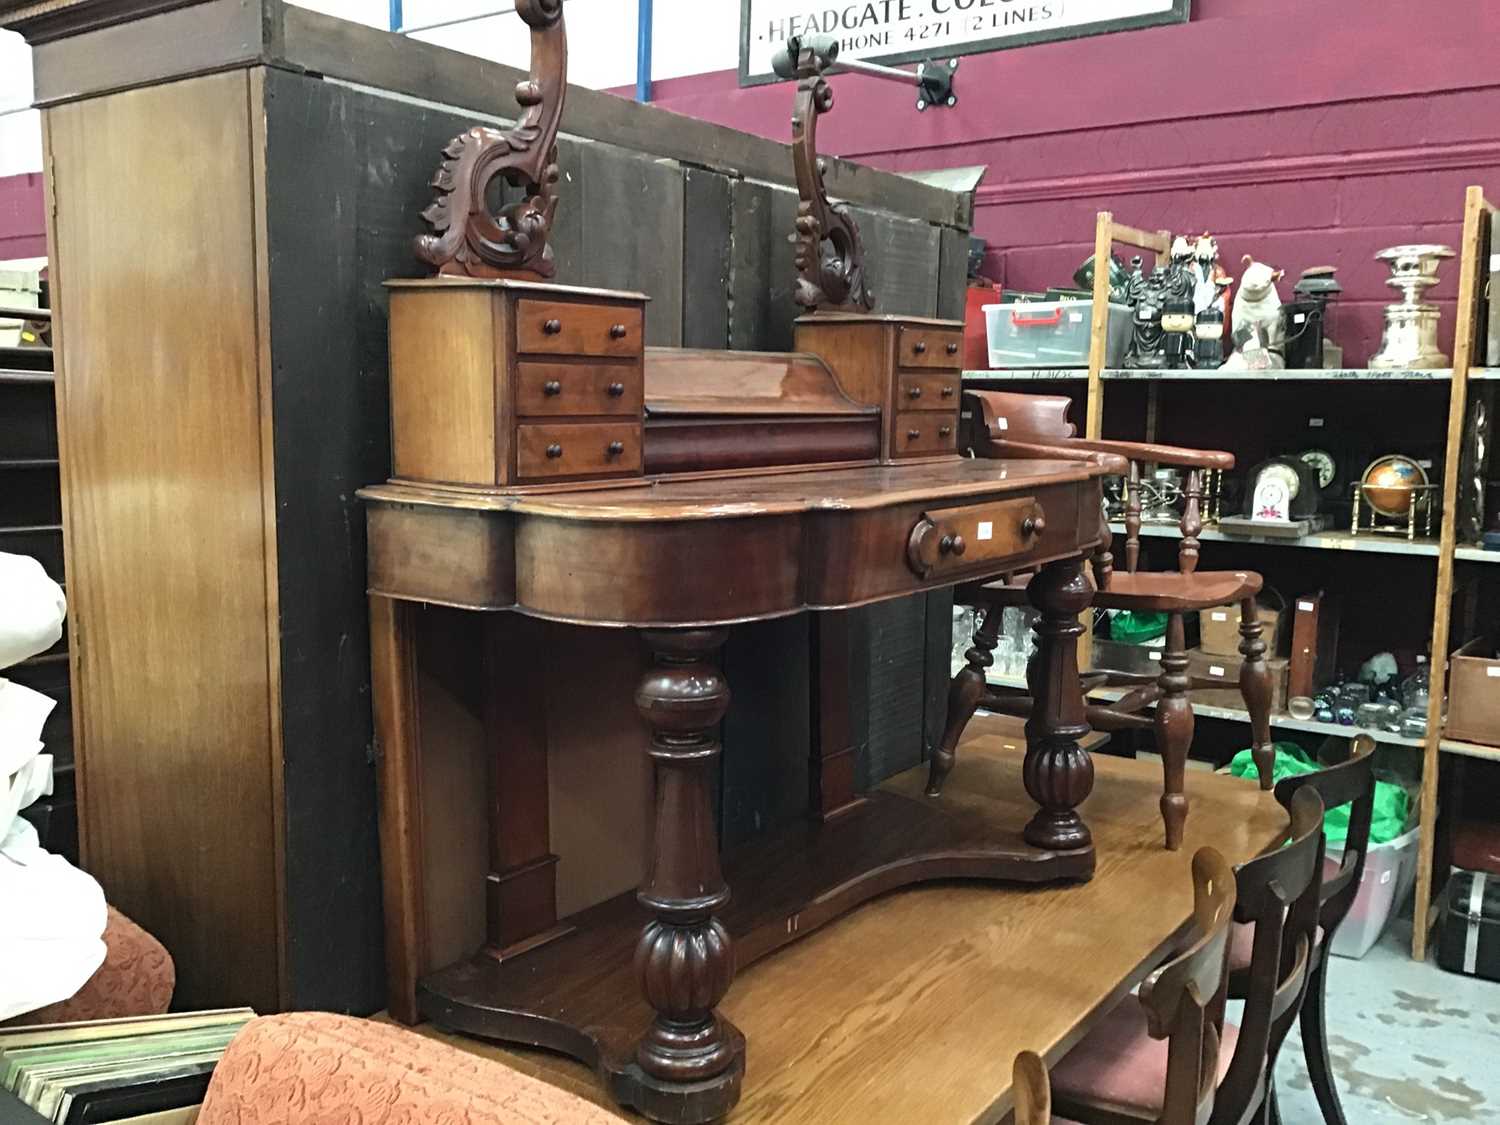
pixel 1119 1063
pixel 312 1068
pixel 136 979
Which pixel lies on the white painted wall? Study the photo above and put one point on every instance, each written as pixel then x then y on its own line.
pixel 20 131
pixel 688 37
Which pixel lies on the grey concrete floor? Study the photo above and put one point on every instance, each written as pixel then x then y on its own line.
pixel 1409 1042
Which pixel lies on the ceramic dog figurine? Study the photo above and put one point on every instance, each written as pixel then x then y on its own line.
pixel 1259 334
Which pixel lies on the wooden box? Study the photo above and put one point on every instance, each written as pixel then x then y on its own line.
pixel 497 383
pixel 1219 629
pixel 1214 666
pixel 1474 693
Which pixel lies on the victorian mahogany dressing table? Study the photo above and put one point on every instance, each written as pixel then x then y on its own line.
pixel 546 463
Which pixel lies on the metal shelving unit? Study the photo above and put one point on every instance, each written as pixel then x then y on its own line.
pixel 1474 268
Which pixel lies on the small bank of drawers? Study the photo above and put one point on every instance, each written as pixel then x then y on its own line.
pixel 579 390
pixel 500 383
pixel 926 391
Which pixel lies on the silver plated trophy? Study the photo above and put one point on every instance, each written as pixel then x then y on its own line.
pixel 1410 338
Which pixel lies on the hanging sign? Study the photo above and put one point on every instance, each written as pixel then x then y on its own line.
pixel 911 30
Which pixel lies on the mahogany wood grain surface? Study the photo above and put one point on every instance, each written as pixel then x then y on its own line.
pixel 553 450
pixel 557 327
pixel 927 391
pixel 694 381
pixel 656 554
pixel 576 389
pixel 910 1008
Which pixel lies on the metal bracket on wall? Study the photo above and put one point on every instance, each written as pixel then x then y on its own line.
pixel 933 79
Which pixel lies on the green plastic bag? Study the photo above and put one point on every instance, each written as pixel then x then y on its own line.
pixel 1392 804
pixel 1132 628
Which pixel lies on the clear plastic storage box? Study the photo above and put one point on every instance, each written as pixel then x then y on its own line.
pixel 1390 870
pixel 1051 333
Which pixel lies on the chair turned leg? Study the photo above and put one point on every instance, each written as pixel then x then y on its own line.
pixel 1174 731
pixel 1315 1042
pixel 965 693
pixel 1255 687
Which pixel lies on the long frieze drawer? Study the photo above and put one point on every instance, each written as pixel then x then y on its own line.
pixel 925 432
pixel 917 346
pixel 927 390
pixel 953 539
pixel 549 450
pixel 563 328
pixel 578 388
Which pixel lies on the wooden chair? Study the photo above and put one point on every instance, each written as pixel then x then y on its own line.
pixel 1035 426
pixel 1351 782
pixel 1159 1056
pixel 1032 1089
pixel 1112 1075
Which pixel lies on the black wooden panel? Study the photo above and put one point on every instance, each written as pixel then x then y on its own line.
pixel 766 731
pixel 897 685
pixel 631 207
pixel 346 175
pixel 953 272
pixel 937 667
pixel 705 259
pixel 761 271
pixel 901 262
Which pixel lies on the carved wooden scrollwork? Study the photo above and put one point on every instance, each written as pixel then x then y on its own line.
pixel 470 239
pixel 829 255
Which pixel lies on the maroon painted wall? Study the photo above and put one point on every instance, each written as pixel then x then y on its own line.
pixel 1303 133
pixel 23 230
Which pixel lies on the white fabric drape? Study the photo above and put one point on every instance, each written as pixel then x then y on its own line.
pixel 52 915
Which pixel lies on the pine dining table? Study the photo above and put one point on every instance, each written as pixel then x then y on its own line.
pixel 913 1006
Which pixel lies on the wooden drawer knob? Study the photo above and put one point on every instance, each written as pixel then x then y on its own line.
pixel 616 390
pixel 616 331
pixel 944 431
pixel 551 388
pixel 552 327
pixel 947 392
pixel 952 349
pixel 920 347
pixel 952 545
pixel 1033 525
pixel 914 392
pixel 615 448
pixel 913 435
pixel 554 450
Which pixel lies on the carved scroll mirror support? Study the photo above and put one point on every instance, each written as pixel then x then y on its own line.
pixel 829 255
pixel 473 234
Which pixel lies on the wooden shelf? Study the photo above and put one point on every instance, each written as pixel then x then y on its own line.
pixel 1469 749
pixel 1239 715
pixel 1339 375
pixel 1323 540
pixel 12 351
pixel 1027 375
pixel 10 375
pixel 1441 375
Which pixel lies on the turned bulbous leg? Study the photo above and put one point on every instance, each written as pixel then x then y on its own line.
pixel 1255 688
pixel 965 693
pixel 691 1059
pixel 1173 723
pixel 1058 772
